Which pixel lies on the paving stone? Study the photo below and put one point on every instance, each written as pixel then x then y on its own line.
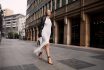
pixel 101 57
pixel 78 49
pixel 21 67
pixel 76 64
pixel 18 55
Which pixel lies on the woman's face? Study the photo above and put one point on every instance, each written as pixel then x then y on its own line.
pixel 49 12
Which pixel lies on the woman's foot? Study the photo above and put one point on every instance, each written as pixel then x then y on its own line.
pixel 40 55
pixel 50 60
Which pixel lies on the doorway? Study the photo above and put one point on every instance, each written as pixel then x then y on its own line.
pixel 97 30
pixel 75 31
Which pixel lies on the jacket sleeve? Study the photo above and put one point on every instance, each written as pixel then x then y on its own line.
pixel 41 25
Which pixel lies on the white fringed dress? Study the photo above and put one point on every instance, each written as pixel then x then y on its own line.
pixel 46 32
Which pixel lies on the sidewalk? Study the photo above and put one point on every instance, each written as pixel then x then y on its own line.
pixel 18 55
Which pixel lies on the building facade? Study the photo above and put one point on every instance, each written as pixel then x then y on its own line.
pixel 76 22
pixel 1 21
pixel 22 28
pixel 13 23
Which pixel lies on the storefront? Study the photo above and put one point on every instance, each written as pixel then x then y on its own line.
pixel 97 30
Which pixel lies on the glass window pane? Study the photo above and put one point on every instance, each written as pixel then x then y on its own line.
pixel 53 5
pixel 70 1
pixel 63 2
pixel 58 4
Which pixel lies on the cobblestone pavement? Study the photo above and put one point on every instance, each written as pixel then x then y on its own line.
pixel 18 55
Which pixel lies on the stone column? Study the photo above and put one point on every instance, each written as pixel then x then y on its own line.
pixel 37 33
pixel 29 34
pixel 25 33
pixel 33 34
pixel 55 32
pixel 84 30
pixel 87 39
pixel 67 31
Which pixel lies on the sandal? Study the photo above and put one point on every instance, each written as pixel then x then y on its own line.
pixel 39 55
pixel 49 58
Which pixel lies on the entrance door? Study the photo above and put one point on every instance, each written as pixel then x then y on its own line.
pixel 76 31
pixel 61 31
pixel 97 31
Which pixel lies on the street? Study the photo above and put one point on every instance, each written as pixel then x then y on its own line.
pixel 18 55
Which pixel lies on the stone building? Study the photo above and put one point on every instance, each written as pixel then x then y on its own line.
pixel 13 23
pixel 76 22
pixel 1 20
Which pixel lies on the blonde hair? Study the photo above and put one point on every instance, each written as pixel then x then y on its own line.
pixel 46 12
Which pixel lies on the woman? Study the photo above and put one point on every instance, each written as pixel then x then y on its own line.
pixel 45 33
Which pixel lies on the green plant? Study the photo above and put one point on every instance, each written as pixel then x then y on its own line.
pixel 10 35
pixel 16 35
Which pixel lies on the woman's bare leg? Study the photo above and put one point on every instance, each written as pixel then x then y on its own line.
pixel 47 49
pixel 40 54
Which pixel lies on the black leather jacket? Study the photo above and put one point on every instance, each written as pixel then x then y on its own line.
pixel 41 25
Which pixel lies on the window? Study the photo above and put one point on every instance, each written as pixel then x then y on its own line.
pixel 14 22
pixel 50 5
pixel 63 2
pixel 38 13
pixel 53 5
pixel 47 5
pixel 8 22
pixel 34 16
pixel 37 2
pixel 41 12
pixel 14 27
pixel 58 4
pixel 33 6
pixel 70 1
pixel 40 1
